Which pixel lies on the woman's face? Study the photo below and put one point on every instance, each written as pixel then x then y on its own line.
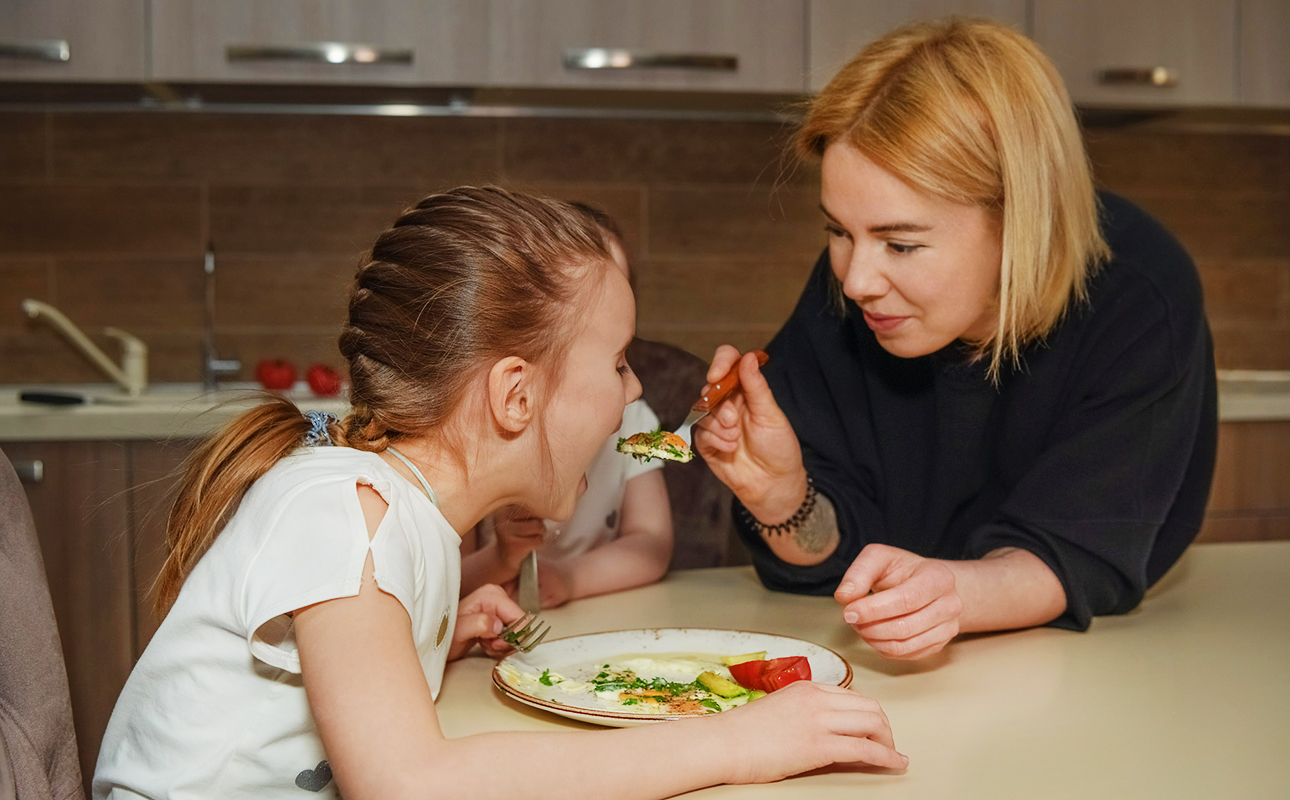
pixel 925 271
pixel 596 385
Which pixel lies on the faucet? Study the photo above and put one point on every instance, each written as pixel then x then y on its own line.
pixel 132 375
pixel 212 365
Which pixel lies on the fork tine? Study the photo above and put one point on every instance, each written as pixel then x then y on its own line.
pixel 531 636
pixel 518 624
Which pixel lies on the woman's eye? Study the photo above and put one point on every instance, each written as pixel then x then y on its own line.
pixel 903 249
pixel 834 230
pixel 624 369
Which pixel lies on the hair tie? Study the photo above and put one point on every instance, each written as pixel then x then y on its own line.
pixel 318 422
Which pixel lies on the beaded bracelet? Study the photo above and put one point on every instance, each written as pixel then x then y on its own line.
pixel 792 523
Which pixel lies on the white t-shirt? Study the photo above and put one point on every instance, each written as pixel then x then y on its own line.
pixel 598 515
pixel 216 706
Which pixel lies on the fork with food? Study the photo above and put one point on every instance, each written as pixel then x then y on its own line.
pixel 675 445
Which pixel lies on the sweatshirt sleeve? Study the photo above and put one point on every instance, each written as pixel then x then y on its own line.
pixel 1126 474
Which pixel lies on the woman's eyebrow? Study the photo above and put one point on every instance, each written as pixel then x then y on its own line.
pixel 900 227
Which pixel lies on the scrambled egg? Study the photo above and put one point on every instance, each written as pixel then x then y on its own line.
pixel 661 684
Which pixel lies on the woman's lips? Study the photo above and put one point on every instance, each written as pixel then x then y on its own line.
pixel 881 323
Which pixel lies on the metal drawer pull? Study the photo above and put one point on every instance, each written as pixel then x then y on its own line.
pixel 30 470
pixel 603 58
pixel 319 53
pixel 1156 77
pixel 54 50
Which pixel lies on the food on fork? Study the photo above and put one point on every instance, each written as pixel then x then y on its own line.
pixel 656 444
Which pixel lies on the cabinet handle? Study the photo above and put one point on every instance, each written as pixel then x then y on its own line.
pixel 30 470
pixel 1153 77
pixel 53 50
pixel 605 58
pixel 319 53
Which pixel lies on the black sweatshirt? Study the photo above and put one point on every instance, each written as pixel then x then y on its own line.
pixel 1096 455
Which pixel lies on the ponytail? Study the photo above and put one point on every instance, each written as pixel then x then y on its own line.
pixel 214 479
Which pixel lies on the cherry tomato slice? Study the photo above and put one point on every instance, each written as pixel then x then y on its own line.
pixel 780 672
pixel 748 674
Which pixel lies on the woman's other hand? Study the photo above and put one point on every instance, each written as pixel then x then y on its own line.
pixel 750 445
pixel 914 609
pixel 553 584
pixel 481 615
pixel 806 726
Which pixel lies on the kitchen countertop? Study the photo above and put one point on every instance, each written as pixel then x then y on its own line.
pixel 180 411
pixel 1186 697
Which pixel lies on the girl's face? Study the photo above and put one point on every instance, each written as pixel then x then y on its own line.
pixel 596 385
pixel 925 271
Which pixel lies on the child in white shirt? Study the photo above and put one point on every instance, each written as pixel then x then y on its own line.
pixel 312 580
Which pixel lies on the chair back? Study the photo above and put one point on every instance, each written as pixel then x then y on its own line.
pixel 38 757
pixel 671 380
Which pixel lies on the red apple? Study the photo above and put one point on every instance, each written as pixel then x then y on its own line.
pixel 324 380
pixel 276 374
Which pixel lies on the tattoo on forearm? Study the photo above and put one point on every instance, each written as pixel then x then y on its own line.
pixel 818 530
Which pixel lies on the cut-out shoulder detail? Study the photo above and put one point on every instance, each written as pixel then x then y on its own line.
pixel 373 505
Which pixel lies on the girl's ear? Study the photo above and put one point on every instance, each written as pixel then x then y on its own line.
pixel 510 393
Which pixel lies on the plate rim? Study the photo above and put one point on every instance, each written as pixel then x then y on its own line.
pixel 564 710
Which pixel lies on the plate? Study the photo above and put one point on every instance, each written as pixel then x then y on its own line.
pixel 580 653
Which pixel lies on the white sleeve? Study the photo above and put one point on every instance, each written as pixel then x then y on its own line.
pixel 313 549
pixel 637 417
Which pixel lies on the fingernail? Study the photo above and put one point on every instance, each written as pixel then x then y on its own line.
pixel 497 626
pixel 851 617
pixel 846 588
pixel 904 758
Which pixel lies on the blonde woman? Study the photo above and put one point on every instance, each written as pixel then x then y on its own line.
pixel 994 406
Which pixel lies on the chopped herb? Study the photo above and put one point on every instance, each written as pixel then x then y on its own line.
pixel 710 704
pixel 547 680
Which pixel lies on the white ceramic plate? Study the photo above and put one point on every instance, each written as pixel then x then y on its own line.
pixel 575 653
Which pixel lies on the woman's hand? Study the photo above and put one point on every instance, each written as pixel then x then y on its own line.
pixel 915 607
pixel 481 615
pixel 806 726
pixel 750 445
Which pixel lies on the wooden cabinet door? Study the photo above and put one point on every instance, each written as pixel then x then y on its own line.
pixel 1250 499
pixel 1142 52
pixel 320 41
pixel 72 40
pixel 839 29
pixel 707 45
pixel 1265 53
pixel 82 519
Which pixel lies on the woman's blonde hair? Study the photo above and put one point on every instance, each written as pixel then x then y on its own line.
pixel 972 112
pixel 460 280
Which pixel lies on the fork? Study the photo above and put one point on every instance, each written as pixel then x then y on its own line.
pixel 525 633
pixel 715 394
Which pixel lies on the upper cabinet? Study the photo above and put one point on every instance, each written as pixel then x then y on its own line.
pixel 840 28
pixel 72 40
pixel 1265 53
pixel 706 45
pixel 1142 52
pixel 424 42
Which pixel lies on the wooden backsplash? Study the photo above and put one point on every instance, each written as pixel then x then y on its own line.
pixel 107 216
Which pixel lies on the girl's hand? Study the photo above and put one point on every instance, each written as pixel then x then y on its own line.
pixel 481 615
pixel 806 726
pixel 750 445
pixel 915 608
pixel 519 531
pixel 553 584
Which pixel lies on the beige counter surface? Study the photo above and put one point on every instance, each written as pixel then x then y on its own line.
pixel 1187 697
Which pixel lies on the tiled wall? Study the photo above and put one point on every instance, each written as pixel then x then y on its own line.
pixel 107 217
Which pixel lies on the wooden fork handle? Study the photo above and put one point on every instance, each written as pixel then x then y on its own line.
pixel 728 383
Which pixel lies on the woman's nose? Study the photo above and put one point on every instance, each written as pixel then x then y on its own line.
pixel 864 279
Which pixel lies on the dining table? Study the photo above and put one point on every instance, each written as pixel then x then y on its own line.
pixel 1187 696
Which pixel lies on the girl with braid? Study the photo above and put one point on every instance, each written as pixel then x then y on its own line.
pixel 311 589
